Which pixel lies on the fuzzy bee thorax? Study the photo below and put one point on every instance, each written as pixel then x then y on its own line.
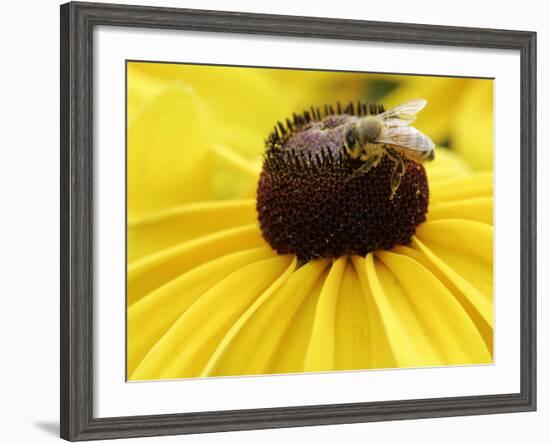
pixel 368 129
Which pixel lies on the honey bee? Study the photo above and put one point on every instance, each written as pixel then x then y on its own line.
pixel 389 134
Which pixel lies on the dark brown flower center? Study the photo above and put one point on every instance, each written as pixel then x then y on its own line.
pixel 308 206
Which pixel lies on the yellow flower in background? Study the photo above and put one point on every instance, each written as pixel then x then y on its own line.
pixel 460 113
pixel 208 296
pixel 198 118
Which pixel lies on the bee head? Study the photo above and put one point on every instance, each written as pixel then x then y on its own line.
pixel 351 143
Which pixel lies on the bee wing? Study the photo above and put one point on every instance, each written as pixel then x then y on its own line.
pixel 406 137
pixel 403 114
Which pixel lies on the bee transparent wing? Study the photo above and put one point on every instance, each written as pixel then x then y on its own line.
pixel 406 137
pixel 403 114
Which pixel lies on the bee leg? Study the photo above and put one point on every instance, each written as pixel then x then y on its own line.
pixel 365 167
pixel 397 173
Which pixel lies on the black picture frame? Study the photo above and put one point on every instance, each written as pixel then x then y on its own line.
pixel 77 208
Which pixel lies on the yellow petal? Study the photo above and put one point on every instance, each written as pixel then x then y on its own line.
pixel 446 164
pixel 472 133
pixel 379 345
pixel 475 185
pixel 235 175
pixel 150 317
pixel 167 155
pixel 320 355
pixel 142 89
pixel 290 354
pixel 152 271
pixel 440 318
pixel 464 245
pixel 469 275
pixel 352 326
pixel 186 347
pixel 474 303
pixel 408 344
pixel 254 339
pixel 478 209
pixel 169 227
pixel 238 105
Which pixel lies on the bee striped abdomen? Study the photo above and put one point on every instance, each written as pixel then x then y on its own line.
pixel 428 155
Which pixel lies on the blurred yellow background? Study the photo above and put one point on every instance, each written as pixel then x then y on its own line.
pixel 193 130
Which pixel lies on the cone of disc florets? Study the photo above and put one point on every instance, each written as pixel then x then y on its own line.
pixel 306 204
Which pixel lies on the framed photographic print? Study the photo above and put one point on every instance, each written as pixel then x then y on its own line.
pixel 273 221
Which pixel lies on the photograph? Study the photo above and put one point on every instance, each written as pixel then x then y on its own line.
pixel 242 222
pixel 291 221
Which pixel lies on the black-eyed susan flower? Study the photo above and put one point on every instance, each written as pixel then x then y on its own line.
pixel 241 266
